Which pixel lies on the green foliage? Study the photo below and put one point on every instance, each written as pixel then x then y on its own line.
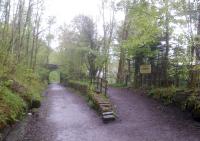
pixel 82 86
pixel 21 53
pixel 118 85
pixel 144 30
pixel 12 107
pixel 93 98
pixel 73 61
pixel 19 92
pixel 163 94
pixel 194 107
pixel 54 77
pixel 184 99
pixel 43 74
pixel 81 52
pixel 191 102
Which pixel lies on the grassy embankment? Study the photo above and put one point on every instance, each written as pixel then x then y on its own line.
pixel 185 99
pixel 18 94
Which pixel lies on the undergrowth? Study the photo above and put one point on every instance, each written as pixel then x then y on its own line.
pixel 19 92
pixel 163 94
pixel 185 99
pixel 12 107
pixel 118 85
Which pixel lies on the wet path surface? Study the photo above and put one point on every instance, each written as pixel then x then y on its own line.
pixel 65 116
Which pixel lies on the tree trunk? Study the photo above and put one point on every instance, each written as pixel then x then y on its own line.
pixel 166 61
pixel 121 67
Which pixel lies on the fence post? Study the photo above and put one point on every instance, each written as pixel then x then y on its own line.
pixel 101 85
pixel 106 86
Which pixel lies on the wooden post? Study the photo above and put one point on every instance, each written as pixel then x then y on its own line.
pixel 97 83
pixel 106 87
pixel 101 85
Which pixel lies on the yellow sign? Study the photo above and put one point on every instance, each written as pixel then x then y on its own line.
pixel 145 69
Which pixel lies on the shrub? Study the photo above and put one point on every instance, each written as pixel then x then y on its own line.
pixel 18 94
pixel 11 107
pixel 185 99
pixel 82 86
pixel 163 94
pixel 190 104
pixel 118 85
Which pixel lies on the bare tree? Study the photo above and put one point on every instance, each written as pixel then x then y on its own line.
pixel 108 28
pixel 49 37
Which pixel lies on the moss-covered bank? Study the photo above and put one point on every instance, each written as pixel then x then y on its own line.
pixel 16 98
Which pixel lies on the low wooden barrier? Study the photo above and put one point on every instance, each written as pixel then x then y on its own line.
pixel 101 85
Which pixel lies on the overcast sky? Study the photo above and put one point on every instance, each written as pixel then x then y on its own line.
pixel 66 10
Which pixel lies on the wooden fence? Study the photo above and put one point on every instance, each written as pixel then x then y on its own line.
pixel 101 85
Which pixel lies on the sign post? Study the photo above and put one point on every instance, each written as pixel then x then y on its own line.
pixel 145 69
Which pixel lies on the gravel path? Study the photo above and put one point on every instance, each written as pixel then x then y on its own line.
pixel 145 119
pixel 65 116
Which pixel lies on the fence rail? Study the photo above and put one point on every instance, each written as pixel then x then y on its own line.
pixel 101 85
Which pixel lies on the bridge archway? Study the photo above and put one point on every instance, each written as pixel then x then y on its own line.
pixel 52 70
pixel 54 73
pixel 54 76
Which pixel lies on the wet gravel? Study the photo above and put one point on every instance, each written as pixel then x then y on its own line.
pixel 146 119
pixel 65 116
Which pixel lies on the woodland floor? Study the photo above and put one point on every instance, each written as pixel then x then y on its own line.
pixel 65 116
